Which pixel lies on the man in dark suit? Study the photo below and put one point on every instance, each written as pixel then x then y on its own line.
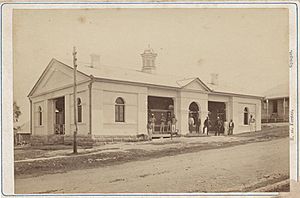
pixel 231 126
pixel 206 125
pixel 198 124
pixel 219 126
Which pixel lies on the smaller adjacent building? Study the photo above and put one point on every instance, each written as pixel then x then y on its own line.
pixel 275 106
pixel 275 109
pixel 22 134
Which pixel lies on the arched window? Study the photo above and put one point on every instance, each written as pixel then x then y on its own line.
pixel 40 116
pixel 246 116
pixel 194 107
pixel 79 110
pixel 119 110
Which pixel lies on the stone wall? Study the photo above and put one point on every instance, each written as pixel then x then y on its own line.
pixel 82 140
pixel 37 140
pixel 87 140
pixel 100 139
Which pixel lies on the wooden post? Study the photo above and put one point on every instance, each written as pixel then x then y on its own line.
pixel 75 102
pixel 267 110
pixel 283 109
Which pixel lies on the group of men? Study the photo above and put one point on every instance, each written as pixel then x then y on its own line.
pixel 169 121
pixel 220 126
pixel 196 122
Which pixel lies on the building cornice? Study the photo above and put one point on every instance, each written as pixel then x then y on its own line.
pixel 235 94
pixel 58 89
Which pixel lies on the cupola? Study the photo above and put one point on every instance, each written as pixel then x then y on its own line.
pixel 148 58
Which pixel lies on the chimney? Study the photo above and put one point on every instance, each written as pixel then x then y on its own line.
pixel 148 58
pixel 95 61
pixel 214 78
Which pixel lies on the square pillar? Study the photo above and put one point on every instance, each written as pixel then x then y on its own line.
pixel 48 117
pixel 32 118
pixel 142 113
pixel 258 116
pixel 97 111
pixel 68 115
pixel 183 116
pixel 229 109
pixel 203 112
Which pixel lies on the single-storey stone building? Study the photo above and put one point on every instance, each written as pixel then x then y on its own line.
pixel 275 106
pixel 116 103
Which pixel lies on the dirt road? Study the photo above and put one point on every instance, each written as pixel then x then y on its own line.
pixel 228 169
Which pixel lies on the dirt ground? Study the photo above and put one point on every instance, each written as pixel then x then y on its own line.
pixel 235 168
pixel 36 161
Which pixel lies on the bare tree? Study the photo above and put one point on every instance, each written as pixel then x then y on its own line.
pixel 17 112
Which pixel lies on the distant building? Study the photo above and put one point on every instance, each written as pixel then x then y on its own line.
pixel 116 103
pixel 275 106
pixel 22 134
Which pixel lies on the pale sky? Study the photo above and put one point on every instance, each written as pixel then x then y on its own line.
pixel 247 47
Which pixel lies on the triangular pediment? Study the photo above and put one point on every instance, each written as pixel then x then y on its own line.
pixel 56 76
pixel 195 84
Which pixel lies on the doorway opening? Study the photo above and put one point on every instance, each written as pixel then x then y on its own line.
pixel 216 109
pixel 194 113
pixel 160 106
pixel 59 121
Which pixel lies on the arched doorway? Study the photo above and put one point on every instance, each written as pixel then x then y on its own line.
pixel 194 112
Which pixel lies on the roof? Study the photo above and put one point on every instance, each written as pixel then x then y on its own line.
pixel 130 75
pixel 137 76
pixel 278 91
pixel 185 82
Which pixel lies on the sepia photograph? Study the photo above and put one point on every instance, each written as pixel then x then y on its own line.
pixel 122 100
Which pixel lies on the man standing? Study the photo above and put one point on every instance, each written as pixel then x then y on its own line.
pixel 219 125
pixel 252 123
pixel 191 123
pixel 206 125
pixel 162 123
pixel 173 129
pixel 198 124
pixel 226 128
pixel 152 126
pixel 231 126
pixel 169 122
pixel 174 120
